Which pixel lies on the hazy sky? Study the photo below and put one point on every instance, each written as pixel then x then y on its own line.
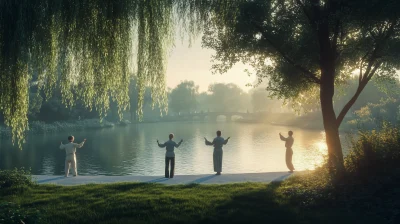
pixel 194 63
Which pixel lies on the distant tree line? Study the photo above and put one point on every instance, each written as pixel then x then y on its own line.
pixel 379 101
pixel 220 97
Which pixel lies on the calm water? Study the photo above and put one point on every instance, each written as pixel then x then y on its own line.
pixel 133 150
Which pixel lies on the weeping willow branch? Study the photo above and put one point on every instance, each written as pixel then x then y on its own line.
pixel 85 49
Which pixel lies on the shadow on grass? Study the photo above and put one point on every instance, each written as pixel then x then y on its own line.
pixel 281 178
pixel 254 206
pixel 158 180
pixel 267 205
pixel 201 180
pixel 50 179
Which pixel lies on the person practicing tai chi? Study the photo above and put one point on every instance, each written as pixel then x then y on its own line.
pixel 289 151
pixel 218 142
pixel 70 158
pixel 169 155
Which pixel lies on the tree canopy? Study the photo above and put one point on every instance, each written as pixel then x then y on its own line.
pixel 183 97
pixel 228 98
pixel 306 47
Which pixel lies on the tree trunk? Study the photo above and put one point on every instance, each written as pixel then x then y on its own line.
pixel 335 153
pixel 328 56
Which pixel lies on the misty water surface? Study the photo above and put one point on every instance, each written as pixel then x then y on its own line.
pixel 132 150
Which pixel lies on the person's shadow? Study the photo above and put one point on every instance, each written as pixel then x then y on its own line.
pixel 203 179
pixel 158 180
pixel 47 180
pixel 281 178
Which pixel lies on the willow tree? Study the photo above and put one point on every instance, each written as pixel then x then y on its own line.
pixel 88 48
pixel 304 46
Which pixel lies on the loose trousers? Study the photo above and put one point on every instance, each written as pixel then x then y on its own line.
pixel 169 160
pixel 217 160
pixel 289 155
pixel 70 160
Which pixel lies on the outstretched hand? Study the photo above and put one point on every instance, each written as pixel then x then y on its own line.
pixel 158 141
pixel 228 138
pixel 84 140
pixel 181 140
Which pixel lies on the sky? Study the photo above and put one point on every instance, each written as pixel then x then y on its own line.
pixel 194 63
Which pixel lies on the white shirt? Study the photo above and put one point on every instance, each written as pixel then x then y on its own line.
pixel 70 148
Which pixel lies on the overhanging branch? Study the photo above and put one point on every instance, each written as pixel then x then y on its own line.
pixel 364 81
pixel 373 66
pixel 308 15
pixel 300 68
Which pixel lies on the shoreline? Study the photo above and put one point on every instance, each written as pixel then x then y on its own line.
pixel 41 128
pixel 266 177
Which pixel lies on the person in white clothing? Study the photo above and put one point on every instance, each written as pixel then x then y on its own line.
pixel 70 158
pixel 289 151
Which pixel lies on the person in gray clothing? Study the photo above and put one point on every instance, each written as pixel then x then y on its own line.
pixel 169 155
pixel 218 142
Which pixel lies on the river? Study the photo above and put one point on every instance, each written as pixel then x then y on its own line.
pixel 132 150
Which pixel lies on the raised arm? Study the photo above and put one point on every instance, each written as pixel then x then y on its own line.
pixel 80 145
pixel 282 138
pixel 208 142
pixel 177 145
pixel 160 145
pixel 62 146
pixel 226 140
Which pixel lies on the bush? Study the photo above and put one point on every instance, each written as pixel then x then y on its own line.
pixel 16 179
pixel 369 185
pixel 12 213
pixel 375 153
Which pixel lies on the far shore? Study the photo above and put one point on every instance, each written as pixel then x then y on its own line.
pixel 38 127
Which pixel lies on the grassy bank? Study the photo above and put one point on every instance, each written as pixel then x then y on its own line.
pixel 155 203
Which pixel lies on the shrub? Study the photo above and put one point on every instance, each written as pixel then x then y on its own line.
pixel 375 153
pixel 11 213
pixel 369 185
pixel 16 179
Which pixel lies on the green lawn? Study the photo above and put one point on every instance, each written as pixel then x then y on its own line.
pixel 156 203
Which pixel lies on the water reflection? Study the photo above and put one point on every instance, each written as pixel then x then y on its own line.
pixel 133 150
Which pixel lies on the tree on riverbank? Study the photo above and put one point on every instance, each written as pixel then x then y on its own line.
pixel 311 46
pixel 183 97
pixel 228 98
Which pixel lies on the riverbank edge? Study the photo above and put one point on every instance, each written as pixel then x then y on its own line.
pixel 266 177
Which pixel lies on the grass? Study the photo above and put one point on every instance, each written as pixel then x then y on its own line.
pixel 156 203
